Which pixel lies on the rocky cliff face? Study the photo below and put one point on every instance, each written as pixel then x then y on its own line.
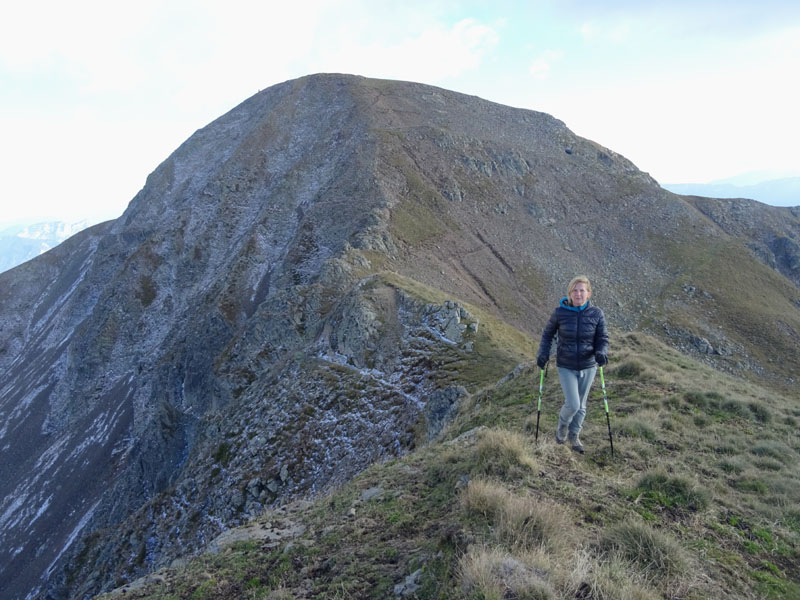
pixel 295 285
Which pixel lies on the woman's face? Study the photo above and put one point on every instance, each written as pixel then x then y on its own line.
pixel 579 294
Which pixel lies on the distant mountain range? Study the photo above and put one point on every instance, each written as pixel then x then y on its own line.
pixel 776 192
pixel 21 243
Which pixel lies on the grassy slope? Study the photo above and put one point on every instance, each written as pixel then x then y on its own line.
pixel 753 302
pixel 700 500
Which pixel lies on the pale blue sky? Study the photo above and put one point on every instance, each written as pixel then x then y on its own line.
pixel 94 94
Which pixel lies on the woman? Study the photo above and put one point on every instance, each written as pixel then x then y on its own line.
pixel 582 346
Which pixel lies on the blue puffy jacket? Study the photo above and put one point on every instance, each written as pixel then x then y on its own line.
pixel 581 332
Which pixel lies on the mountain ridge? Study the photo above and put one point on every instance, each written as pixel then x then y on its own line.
pixel 19 243
pixel 314 251
pixel 784 191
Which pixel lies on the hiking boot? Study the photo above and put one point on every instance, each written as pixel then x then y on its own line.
pixel 575 442
pixel 561 433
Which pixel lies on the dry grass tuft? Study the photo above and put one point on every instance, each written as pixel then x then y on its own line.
pixel 504 454
pixel 773 449
pixel 520 521
pixel 489 573
pixel 528 523
pixel 641 425
pixel 614 579
pixel 485 498
pixel 657 556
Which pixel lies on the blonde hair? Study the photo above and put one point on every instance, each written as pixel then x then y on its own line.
pixel 575 281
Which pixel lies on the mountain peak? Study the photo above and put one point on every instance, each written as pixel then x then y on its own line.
pixel 292 287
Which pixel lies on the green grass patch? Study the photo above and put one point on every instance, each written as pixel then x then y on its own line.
pixel 657 489
pixel 734 409
pixel 657 555
pixel 422 213
pixel 792 520
pixel 223 454
pixel 772 583
pixel 719 407
pixel 773 449
pixel 760 412
pixel 732 465
pixel 637 427
pixel 630 369
pixel 750 485
pixel 204 590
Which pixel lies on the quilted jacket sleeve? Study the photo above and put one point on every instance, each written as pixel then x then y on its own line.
pixel 601 336
pixel 547 338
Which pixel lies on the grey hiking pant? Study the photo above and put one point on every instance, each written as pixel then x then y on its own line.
pixel 576 386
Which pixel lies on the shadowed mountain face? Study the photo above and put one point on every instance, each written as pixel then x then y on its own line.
pixel 278 305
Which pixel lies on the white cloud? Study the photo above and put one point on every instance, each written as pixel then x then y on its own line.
pixel 202 51
pixel 730 114
pixel 430 55
pixel 86 166
pixel 542 65
pixel 614 32
pixel 84 39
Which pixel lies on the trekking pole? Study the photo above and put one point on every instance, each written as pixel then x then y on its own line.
pixel 605 403
pixel 539 407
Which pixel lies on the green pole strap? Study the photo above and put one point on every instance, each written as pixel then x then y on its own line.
pixel 539 407
pixel 541 384
pixel 603 384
